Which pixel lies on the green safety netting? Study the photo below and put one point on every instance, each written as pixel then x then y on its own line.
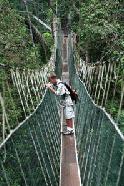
pixel 30 155
pixel 100 144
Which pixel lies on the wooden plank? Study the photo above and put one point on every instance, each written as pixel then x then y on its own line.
pixel 69 167
pixel 69 173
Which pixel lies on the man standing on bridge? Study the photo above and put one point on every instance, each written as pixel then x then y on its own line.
pixel 57 87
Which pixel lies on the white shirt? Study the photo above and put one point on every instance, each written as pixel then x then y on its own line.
pixel 61 90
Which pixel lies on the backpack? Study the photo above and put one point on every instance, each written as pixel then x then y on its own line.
pixel 73 93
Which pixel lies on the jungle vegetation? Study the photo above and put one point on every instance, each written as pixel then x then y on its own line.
pixel 26 43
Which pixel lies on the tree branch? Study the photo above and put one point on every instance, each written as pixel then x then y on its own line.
pixel 42 23
pixel 38 37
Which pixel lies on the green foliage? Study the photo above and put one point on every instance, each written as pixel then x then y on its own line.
pixel 48 38
pixel 100 27
pixel 15 43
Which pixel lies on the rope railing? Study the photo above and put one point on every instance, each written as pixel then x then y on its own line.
pixel 30 85
pixel 100 143
pixel 105 84
pixel 21 91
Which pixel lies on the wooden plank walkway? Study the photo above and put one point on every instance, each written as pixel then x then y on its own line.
pixel 69 173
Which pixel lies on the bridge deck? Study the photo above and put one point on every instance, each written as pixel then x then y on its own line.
pixel 69 166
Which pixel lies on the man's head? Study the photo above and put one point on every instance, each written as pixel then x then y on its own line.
pixel 52 78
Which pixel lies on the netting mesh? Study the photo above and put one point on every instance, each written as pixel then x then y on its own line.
pixel 99 142
pixel 30 156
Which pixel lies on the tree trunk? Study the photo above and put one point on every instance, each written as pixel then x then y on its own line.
pixel 87 58
pixel 38 38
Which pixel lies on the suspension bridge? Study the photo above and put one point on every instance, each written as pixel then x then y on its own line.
pixel 35 153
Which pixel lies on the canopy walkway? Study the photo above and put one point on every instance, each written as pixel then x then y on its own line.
pixel 36 154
